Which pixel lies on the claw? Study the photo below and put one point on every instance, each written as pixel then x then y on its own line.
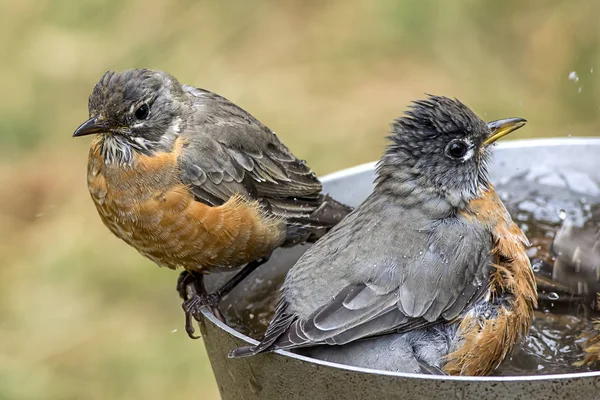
pixel 189 326
pixel 189 284
pixel 193 305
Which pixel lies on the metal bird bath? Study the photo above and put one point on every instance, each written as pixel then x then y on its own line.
pixel 285 375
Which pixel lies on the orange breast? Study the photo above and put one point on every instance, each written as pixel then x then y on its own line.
pixel 147 206
pixel 484 341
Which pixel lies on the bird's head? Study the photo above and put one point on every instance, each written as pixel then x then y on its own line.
pixel 440 148
pixel 134 110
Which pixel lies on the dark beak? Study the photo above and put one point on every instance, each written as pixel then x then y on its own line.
pixel 503 127
pixel 90 127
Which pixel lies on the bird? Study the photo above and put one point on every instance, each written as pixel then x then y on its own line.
pixel 192 181
pixel 431 253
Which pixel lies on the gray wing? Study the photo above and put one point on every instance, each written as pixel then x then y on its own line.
pixel 227 152
pixel 438 285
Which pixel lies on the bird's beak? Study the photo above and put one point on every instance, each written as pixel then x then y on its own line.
pixel 89 127
pixel 503 127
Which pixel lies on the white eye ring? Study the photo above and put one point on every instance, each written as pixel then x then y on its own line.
pixel 459 149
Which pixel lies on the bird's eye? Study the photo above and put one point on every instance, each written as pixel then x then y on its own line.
pixel 457 149
pixel 142 112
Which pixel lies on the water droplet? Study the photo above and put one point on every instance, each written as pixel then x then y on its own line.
pixel 569 135
pixel 573 76
pixel 174 330
pixel 553 296
pixel 537 266
pixel 521 103
pixel 591 70
pixel 579 89
pixel 562 214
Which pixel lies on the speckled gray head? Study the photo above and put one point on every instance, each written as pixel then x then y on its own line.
pixel 135 109
pixel 440 148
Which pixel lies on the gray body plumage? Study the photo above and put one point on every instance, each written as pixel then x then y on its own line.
pixel 419 351
pixel 232 153
pixel 385 268
pixel 406 261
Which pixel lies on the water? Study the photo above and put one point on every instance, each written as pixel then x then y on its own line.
pixel 552 346
pixel 252 316
pixel 554 342
pixel 573 76
pixel 540 210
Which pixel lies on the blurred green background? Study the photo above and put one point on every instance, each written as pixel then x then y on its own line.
pixel 82 315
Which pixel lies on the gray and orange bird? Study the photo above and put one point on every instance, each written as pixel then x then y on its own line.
pixel 192 181
pixel 429 272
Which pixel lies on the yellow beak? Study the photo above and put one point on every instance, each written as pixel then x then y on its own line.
pixel 503 127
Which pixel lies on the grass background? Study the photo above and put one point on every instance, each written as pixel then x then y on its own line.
pixel 84 316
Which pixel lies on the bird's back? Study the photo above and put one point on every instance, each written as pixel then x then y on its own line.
pixel 230 152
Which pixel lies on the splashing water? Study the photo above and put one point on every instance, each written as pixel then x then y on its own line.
pixel 573 76
pixel 562 214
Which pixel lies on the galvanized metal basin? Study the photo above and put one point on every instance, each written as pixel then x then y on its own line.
pixel 285 375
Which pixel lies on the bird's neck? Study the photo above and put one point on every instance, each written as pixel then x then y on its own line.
pixel 115 149
pixel 121 150
pixel 409 189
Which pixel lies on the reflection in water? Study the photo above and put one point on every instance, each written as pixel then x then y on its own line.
pixel 554 340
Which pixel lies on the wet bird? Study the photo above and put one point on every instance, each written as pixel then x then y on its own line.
pixel 193 181
pixel 431 257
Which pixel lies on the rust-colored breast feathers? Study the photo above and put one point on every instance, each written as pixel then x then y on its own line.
pixel 486 340
pixel 147 206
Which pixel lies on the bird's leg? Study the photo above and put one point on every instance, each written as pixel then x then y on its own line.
pixel 191 289
pixel 190 285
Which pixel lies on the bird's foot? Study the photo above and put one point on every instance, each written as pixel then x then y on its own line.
pixel 192 307
pixel 191 289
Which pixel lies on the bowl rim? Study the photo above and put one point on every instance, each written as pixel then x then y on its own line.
pixel 509 144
